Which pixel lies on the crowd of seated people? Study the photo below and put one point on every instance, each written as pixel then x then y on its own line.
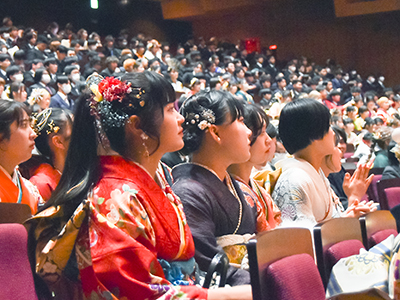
pixel 104 116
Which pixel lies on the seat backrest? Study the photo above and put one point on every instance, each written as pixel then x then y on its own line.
pixel 16 279
pixel 373 188
pixel 382 185
pixel 271 246
pixel 14 212
pixel 375 226
pixel 393 196
pixel 293 277
pixel 340 250
pixel 329 233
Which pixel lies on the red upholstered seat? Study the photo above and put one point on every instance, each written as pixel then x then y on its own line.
pixel 340 250
pixel 373 188
pixel 393 196
pixel 16 279
pixel 380 236
pixel 293 277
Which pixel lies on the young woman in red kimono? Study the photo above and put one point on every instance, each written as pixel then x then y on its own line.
pixel 53 127
pixel 17 140
pixel 130 239
pixel 262 149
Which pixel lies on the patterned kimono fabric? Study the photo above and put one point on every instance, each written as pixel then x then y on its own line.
pixel 218 215
pixel 266 207
pixel 127 240
pixel 9 192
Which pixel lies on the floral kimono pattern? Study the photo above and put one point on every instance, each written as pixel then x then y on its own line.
pixel 127 239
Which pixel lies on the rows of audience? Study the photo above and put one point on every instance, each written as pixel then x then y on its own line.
pixel 280 128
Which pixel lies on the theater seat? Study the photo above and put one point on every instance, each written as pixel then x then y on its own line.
pixel 16 279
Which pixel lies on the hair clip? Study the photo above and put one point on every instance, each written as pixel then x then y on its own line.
pixel 40 121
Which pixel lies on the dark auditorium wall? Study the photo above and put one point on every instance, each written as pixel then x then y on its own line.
pixel 367 43
pixel 138 16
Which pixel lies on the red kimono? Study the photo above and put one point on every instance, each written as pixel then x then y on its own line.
pixel 46 178
pixel 133 232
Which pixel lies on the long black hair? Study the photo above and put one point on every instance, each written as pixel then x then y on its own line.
pixel 81 170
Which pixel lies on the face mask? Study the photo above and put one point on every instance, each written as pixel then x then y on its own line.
pixel 76 77
pixel 6 35
pixel 346 78
pixel 328 70
pixel 46 78
pixel 381 79
pixel 66 88
pixel 93 47
pixel 292 68
pixel 372 79
pixel 18 77
pixel 124 43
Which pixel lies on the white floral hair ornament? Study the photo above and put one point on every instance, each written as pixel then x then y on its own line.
pixel 203 120
pixel 36 96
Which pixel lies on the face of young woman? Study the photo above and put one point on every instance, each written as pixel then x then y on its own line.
pixel 235 141
pixel 327 143
pixel 18 148
pixel 45 102
pixel 171 131
pixel 333 162
pixel 263 149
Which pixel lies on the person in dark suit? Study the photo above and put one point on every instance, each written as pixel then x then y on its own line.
pixel 61 99
pixel 109 49
pixel 270 67
pixel 29 75
pixel 112 64
pixel 51 66
pixel 62 52
pixel 38 50
pixel 42 80
pixel 5 62
pixel 74 77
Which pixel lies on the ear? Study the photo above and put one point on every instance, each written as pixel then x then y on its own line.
pixel 133 125
pixel 57 141
pixel 213 130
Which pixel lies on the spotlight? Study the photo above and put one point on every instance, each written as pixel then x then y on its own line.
pixel 94 4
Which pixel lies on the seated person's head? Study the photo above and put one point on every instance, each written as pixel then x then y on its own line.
pixel 302 122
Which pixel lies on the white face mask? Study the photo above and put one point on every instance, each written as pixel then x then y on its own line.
pixel 46 78
pixel 6 35
pixel 372 79
pixel 66 88
pixel 18 77
pixel 328 70
pixel 75 77
pixel 292 68
pixel 381 79
pixel 346 78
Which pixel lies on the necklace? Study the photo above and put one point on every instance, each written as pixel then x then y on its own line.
pixel 232 189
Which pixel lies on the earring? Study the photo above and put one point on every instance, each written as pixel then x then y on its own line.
pixel 144 137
